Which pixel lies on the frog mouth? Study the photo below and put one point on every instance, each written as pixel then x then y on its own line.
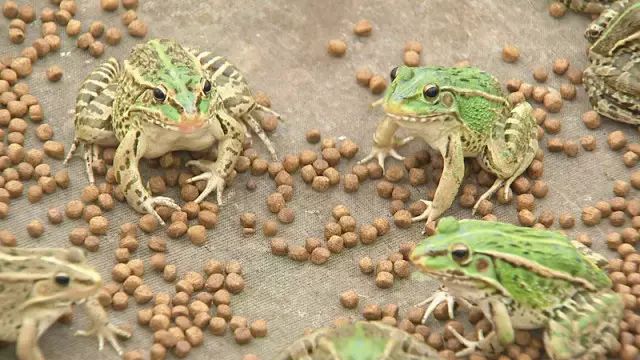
pixel 418 118
pixel 190 123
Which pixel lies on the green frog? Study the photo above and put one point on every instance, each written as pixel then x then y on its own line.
pixel 524 278
pixel 612 80
pixel 164 97
pixel 362 340
pixel 461 112
pixel 37 286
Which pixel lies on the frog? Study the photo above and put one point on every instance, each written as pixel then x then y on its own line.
pixel 361 340
pixel 461 112
pixel 163 98
pixel 523 278
pixel 612 79
pixel 38 286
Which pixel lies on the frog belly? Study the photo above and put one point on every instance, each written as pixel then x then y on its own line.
pixel 164 141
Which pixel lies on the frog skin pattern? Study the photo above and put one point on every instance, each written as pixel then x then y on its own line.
pixel 362 340
pixel 593 7
pixel 524 278
pixel 164 98
pixel 612 80
pixel 37 286
pixel 461 112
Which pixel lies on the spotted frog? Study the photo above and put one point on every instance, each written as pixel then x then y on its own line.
pixel 165 97
pixel 37 286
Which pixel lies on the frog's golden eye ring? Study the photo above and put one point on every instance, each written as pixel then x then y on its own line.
pixel 62 279
pixel 430 91
pixel 393 73
pixel 206 87
pixel 460 253
pixel 159 94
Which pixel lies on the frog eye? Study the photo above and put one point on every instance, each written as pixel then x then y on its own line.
pixel 393 73
pixel 62 279
pixel 159 94
pixel 206 87
pixel 460 253
pixel 430 91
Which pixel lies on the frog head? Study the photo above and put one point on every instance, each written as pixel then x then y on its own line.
pixel 416 93
pixel 171 88
pixel 465 96
pixel 449 256
pixel 58 275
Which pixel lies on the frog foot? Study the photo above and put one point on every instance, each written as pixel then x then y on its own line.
pixel 426 213
pixel 470 346
pixel 214 181
pixel 436 299
pixel 150 203
pixel 106 331
pixel 382 152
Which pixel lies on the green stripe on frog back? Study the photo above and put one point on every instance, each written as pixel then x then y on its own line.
pixel 179 71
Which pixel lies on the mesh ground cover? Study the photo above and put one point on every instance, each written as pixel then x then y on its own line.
pixel 280 47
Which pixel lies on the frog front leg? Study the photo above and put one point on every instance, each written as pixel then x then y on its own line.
pixel 27 345
pixel 101 327
pixel 35 322
pixel 125 162
pixel 229 148
pixel 385 143
pixel 452 174
pixel 502 335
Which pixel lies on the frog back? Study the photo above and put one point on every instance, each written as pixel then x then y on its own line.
pixel 621 27
pixel 543 254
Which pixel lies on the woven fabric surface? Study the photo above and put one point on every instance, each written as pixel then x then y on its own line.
pixel 280 46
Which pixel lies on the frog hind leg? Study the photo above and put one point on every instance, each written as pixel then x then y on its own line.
pixel 27 344
pixel 585 6
pixel 585 327
pixel 235 92
pixel 34 324
pixel 511 149
pixel 250 120
pixel 93 113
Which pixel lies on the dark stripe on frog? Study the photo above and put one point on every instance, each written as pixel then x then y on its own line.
pixel 135 144
pixel 231 150
pixel 223 125
pixel 215 62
